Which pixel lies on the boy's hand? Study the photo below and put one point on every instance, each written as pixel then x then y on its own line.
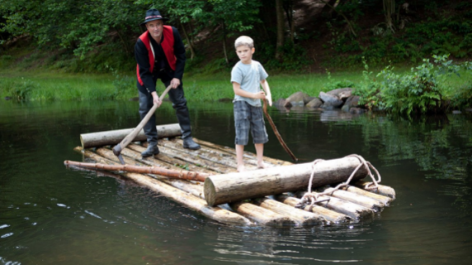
pixel 260 95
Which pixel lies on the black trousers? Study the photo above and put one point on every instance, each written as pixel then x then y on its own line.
pixel 179 103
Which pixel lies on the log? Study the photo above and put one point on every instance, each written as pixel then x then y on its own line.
pixel 355 211
pixel 383 199
pixel 177 174
pixel 246 154
pixel 192 202
pixel 301 217
pixel 328 215
pixel 260 215
pixel 367 202
pixel 381 189
pixel 161 160
pixel 234 187
pixel 113 137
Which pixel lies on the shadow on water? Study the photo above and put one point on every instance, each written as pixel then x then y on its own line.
pixel 53 215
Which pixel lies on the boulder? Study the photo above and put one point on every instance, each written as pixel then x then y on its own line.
pixel 341 93
pixel 281 102
pixel 297 99
pixel 351 102
pixel 330 101
pixel 314 103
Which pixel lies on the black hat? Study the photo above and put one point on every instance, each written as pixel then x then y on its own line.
pixel 153 14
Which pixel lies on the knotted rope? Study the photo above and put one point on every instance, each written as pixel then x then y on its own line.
pixel 310 198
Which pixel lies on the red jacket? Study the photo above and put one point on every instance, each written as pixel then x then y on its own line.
pixel 167 45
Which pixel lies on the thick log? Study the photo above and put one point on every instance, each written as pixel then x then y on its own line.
pixel 328 215
pixel 301 217
pixel 233 187
pixel 192 202
pixel 177 174
pixel 246 155
pixel 113 137
pixel 260 215
pixel 381 189
pixel 355 211
pixel 367 202
pixel 383 199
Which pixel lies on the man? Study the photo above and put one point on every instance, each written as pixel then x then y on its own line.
pixel 160 54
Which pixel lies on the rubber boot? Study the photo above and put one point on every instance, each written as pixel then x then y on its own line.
pixel 190 144
pixel 151 150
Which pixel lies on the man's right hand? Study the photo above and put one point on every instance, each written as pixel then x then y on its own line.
pixel 155 99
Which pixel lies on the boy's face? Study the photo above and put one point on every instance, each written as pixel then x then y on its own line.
pixel 245 53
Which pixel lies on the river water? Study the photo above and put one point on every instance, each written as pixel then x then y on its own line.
pixel 53 215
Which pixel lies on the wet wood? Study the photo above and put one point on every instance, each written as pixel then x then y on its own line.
pixel 259 183
pixel 367 202
pixel 162 160
pixel 246 155
pixel 301 217
pixel 98 139
pixel 355 211
pixel 192 202
pixel 328 215
pixel 260 215
pixel 383 199
pixel 381 189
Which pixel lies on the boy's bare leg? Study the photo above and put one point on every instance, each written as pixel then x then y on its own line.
pixel 239 157
pixel 260 154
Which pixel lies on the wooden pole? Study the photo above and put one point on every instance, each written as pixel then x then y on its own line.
pixel 234 187
pixel 180 174
pixel 355 211
pixel 383 199
pixel 381 189
pixel 190 201
pixel 98 139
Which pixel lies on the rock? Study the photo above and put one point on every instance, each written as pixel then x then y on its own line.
pixel 341 93
pixel 314 103
pixel 297 99
pixel 351 102
pixel 330 101
pixel 357 110
pixel 281 102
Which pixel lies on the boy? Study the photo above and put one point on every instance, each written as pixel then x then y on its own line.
pixel 247 76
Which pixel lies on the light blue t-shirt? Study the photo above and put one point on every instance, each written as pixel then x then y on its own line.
pixel 249 76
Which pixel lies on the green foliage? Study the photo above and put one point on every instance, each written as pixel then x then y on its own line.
pixel 19 90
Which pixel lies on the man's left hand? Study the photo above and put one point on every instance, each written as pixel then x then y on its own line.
pixel 175 83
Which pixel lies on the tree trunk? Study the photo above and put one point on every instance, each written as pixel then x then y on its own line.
pixel 190 46
pixel 350 209
pixel 258 183
pixel 367 202
pixel 280 29
pixel 301 217
pixel 260 215
pixel 115 136
pixel 381 189
pixel 177 174
pixel 383 199
pixel 224 44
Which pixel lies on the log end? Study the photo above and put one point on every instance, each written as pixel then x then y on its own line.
pixel 209 191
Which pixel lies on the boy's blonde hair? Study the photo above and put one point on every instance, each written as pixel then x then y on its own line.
pixel 244 40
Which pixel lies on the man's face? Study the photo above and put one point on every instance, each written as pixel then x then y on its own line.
pixel 245 53
pixel 155 29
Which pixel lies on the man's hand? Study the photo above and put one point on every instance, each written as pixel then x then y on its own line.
pixel 175 83
pixel 155 99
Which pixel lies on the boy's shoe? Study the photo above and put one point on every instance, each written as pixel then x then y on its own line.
pixel 151 150
pixel 190 144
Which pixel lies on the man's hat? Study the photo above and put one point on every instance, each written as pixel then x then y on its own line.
pixel 153 14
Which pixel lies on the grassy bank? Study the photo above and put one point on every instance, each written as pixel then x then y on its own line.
pixel 428 86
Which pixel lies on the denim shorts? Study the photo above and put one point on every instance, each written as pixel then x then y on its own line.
pixel 248 117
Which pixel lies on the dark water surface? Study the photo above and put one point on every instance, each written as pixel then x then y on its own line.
pixel 53 215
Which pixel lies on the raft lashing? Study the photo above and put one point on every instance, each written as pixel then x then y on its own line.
pixel 323 192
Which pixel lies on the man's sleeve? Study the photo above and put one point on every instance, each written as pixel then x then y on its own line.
pixel 142 58
pixel 179 52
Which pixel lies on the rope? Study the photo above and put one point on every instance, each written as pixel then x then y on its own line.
pixel 311 198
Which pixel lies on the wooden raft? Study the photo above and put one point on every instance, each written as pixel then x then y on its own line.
pixel 270 205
